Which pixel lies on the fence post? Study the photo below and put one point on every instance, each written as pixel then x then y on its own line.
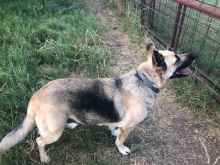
pixel 151 13
pixel 179 29
pixel 142 15
pixel 173 40
pixel 134 4
pixel 124 4
pixel 43 3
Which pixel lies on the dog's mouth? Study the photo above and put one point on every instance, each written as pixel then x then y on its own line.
pixel 183 69
pixel 181 73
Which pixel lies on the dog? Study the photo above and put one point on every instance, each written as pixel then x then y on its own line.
pixel 120 103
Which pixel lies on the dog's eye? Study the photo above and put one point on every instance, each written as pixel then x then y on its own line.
pixel 177 60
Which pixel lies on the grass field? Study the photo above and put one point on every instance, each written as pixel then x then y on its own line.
pixel 187 91
pixel 40 42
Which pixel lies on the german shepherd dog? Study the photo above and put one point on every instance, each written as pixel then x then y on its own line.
pixel 120 103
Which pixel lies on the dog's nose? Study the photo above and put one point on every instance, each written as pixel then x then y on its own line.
pixel 192 56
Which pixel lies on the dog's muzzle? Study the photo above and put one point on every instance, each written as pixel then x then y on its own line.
pixel 182 70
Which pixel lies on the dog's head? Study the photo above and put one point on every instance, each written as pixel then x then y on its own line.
pixel 166 64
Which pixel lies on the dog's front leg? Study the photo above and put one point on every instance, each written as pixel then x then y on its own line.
pixel 121 136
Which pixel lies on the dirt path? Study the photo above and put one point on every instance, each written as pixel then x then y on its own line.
pixel 124 53
pixel 170 135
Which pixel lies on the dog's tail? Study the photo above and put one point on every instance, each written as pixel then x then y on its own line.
pixel 18 134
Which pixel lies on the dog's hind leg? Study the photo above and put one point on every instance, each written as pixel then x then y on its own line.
pixel 42 142
pixel 50 130
pixel 122 135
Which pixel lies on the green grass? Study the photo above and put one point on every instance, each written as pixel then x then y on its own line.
pixel 131 23
pixel 38 44
pixel 196 96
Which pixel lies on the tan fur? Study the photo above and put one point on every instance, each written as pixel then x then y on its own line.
pixel 14 137
pixel 50 112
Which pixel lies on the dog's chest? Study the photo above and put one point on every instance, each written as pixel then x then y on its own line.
pixel 147 97
pixel 149 100
pixel 145 102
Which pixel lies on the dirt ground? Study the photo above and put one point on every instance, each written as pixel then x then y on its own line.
pixel 171 134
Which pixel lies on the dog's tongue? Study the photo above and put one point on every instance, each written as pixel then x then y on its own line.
pixel 184 72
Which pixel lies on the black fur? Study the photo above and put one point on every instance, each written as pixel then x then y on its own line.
pixel 158 60
pixel 177 59
pixel 71 121
pixel 191 57
pixel 139 80
pixel 92 99
pixel 118 83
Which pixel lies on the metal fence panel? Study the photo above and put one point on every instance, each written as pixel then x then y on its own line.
pixel 187 26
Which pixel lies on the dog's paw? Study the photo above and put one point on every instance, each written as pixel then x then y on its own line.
pixel 124 150
pixel 71 125
pixel 45 159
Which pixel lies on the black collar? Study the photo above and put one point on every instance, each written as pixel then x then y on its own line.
pixel 143 78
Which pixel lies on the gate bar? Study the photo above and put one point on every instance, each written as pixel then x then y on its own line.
pixel 200 7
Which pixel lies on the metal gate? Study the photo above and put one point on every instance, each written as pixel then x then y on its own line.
pixel 186 26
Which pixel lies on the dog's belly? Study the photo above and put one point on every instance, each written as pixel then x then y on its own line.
pixel 91 117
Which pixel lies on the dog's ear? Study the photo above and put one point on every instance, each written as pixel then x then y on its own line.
pixel 158 60
pixel 150 46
